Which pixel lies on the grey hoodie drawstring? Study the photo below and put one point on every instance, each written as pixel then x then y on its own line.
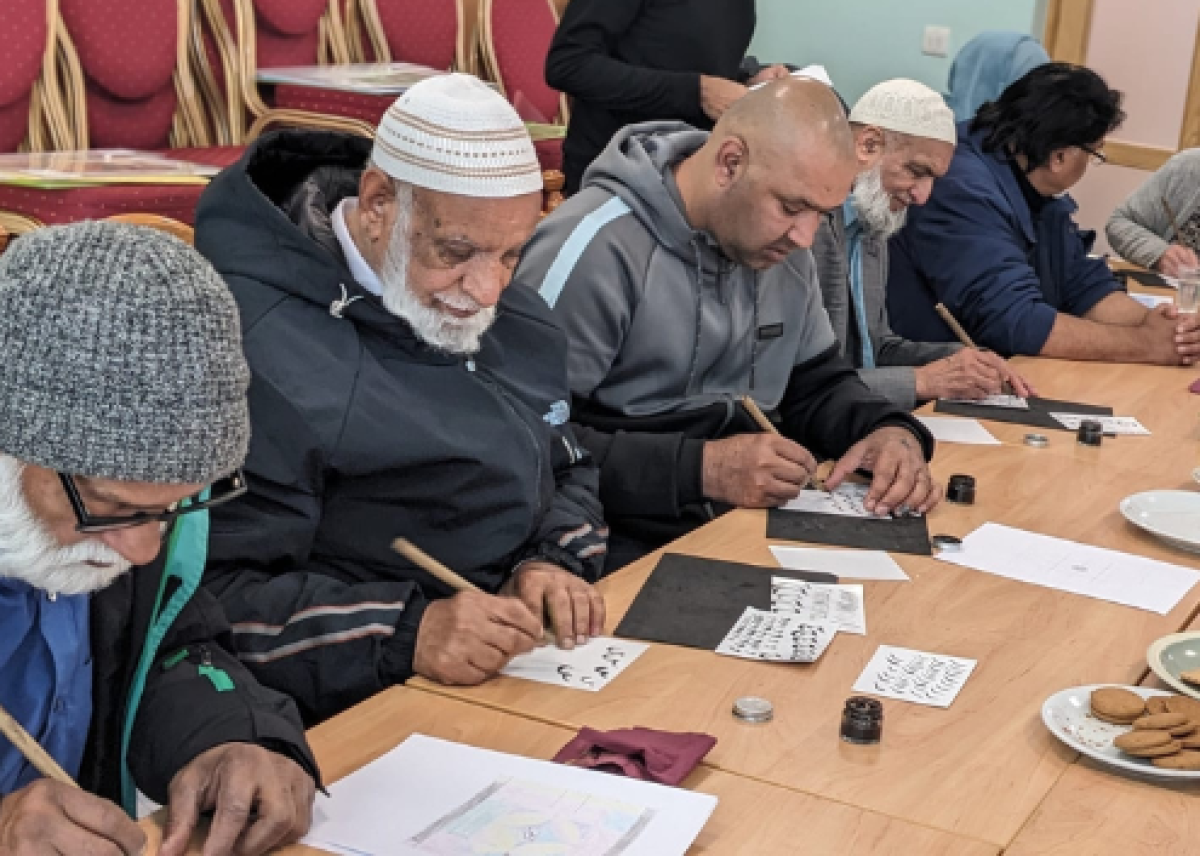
pixel 338 307
pixel 699 306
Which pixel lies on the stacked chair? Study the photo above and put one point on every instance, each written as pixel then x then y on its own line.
pixel 178 77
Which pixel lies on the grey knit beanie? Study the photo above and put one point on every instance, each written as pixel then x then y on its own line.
pixel 120 357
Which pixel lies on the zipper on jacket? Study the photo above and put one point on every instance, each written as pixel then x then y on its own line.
pixel 218 677
pixel 501 394
pixel 202 657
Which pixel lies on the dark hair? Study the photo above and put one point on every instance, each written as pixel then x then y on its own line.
pixel 1055 106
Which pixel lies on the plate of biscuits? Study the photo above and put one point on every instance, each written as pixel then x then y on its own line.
pixel 1147 731
pixel 1176 661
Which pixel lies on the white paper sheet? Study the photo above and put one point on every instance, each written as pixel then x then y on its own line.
pixel 1011 402
pixel 914 676
pixel 1072 567
pixel 821 603
pixel 845 564
pixel 1152 301
pixel 950 429
pixel 429 796
pixel 1112 424
pixel 762 635
pixel 846 500
pixel 587 667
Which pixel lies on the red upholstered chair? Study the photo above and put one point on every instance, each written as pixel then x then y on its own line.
pixel 427 32
pixel 516 36
pixel 241 36
pixel 127 74
pixel 28 78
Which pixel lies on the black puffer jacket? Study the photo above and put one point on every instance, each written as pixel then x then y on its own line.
pixel 182 713
pixel 362 433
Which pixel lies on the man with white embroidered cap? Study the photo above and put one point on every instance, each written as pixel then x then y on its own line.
pixel 400 388
pixel 682 275
pixel 904 136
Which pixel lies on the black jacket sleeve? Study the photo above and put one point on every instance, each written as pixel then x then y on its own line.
pixel 297 624
pixel 645 474
pixel 581 64
pixel 184 713
pixel 572 533
pixel 827 408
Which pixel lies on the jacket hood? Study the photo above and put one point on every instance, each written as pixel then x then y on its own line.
pixel 279 198
pixel 634 167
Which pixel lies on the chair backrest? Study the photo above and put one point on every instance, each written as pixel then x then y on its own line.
pixel 288 32
pixel 516 36
pixel 129 55
pixel 182 231
pixel 427 32
pixel 25 34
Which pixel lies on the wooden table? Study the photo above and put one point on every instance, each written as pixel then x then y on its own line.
pixel 981 768
pixel 752 818
pixel 979 777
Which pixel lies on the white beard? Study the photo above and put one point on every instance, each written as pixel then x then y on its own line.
pixel 874 205
pixel 435 327
pixel 28 552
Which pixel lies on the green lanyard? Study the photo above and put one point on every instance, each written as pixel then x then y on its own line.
pixel 187 552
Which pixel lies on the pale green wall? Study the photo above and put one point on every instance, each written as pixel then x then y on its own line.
pixel 862 42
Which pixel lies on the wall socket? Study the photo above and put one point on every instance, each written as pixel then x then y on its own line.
pixel 936 41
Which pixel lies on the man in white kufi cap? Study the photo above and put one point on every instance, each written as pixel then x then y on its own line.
pixel 400 388
pixel 905 137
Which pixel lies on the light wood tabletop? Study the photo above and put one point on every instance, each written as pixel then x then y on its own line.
pixel 752 818
pixel 975 778
pixel 982 767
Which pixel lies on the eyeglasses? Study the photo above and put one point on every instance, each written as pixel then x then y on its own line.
pixel 1098 156
pixel 220 492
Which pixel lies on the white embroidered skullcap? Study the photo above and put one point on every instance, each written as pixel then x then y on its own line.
pixel 907 107
pixel 453 133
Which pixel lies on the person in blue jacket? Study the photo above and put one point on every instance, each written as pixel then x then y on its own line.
pixel 997 244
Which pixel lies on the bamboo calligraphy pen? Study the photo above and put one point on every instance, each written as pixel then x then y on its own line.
pixel 817 479
pixel 32 750
pixel 440 572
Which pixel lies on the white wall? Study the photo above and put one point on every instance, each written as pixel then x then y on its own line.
pixel 862 42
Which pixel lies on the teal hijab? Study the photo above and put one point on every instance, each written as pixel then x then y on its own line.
pixel 986 66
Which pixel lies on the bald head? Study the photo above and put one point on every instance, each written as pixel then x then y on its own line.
pixel 789 114
pixel 779 158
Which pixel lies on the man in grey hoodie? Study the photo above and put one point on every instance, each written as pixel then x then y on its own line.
pixel 682 277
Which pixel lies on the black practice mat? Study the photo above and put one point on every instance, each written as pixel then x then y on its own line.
pixel 695 602
pixel 1142 277
pixel 892 534
pixel 1037 416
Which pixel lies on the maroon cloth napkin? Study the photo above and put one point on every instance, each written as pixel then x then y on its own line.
pixel 1195 387
pixel 665 757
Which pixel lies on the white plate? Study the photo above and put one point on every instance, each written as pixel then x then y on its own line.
pixel 1068 716
pixel 1179 652
pixel 1173 515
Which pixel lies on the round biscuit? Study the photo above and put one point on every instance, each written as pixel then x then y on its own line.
pixel 1117 704
pixel 1142 740
pixel 1155 751
pixel 1160 721
pixel 1156 704
pixel 1112 720
pixel 1189 760
pixel 1184 730
pixel 1190 707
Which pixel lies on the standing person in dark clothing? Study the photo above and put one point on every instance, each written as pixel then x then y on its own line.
pixel 630 61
